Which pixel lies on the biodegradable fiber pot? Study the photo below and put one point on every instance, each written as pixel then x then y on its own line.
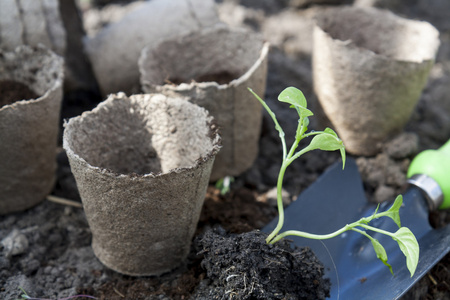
pixel 142 166
pixel 114 51
pixel 30 100
pixel 370 67
pixel 32 23
pixel 213 68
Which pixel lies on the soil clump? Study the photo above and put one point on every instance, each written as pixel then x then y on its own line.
pixel 244 266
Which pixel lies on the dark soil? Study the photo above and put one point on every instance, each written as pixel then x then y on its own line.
pixel 220 77
pixel 244 266
pixel 12 91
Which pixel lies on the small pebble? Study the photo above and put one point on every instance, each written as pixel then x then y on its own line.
pixel 384 193
pixel 14 243
pixel 403 145
pixel 271 197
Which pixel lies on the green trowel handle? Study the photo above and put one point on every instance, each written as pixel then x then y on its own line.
pixel 434 165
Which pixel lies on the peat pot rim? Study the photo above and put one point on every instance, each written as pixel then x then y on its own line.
pixel 213 135
pixel 36 50
pixel 432 33
pixel 185 86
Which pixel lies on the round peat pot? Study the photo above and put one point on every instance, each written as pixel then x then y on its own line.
pixel 213 68
pixel 370 67
pixel 119 45
pixel 32 23
pixel 30 100
pixel 142 166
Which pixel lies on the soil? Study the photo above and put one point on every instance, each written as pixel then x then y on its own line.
pixel 220 77
pixel 12 91
pixel 243 266
pixel 52 257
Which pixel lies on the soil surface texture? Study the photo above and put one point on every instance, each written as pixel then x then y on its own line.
pixel 47 251
pixel 244 266
pixel 12 91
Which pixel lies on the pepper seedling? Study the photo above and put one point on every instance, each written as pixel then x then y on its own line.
pixel 328 140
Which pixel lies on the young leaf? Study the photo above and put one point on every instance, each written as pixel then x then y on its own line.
pixel 409 246
pixel 342 148
pixel 297 100
pixel 293 96
pixel 301 128
pixel 381 253
pixel 327 140
pixel 393 212
pixel 305 124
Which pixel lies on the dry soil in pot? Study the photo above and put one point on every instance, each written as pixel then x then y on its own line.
pixel 30 100
pixel 213 68
pixel 370 67
pixel 142 166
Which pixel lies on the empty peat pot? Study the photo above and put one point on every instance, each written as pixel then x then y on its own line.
pixel 32 23
pixel 119 45
pixel 142 166
pixel 370 67
pixel 213 68
pixel 30 99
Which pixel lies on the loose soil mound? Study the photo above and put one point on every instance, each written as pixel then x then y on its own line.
pixel 244 266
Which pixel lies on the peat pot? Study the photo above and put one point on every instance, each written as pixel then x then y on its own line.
pixel 118 45
pixel 30 100
pixel 370 67
pixel 32 23
pixel 142 166
pixel 213 68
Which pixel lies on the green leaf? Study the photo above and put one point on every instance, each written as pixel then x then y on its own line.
pixel 330 131
pixel 302 112
pixel 341 144
pixel 393 212
pixel 301 128
pixel 293 96
pixel 327 141
pixel 297 100
pixel 223 184
pixel 381 253
pixel 409 246
pixel 305 123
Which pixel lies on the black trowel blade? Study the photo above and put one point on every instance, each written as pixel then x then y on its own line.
pixel 336 199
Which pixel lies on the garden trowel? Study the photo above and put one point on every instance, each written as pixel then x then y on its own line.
pixel 337 198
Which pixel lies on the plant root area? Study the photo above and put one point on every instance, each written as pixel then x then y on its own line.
pixel 244 266
pixel 46 250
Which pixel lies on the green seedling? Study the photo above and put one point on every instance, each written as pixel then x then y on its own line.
pixel 224 184
pixel 25 296
pixel 328 140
